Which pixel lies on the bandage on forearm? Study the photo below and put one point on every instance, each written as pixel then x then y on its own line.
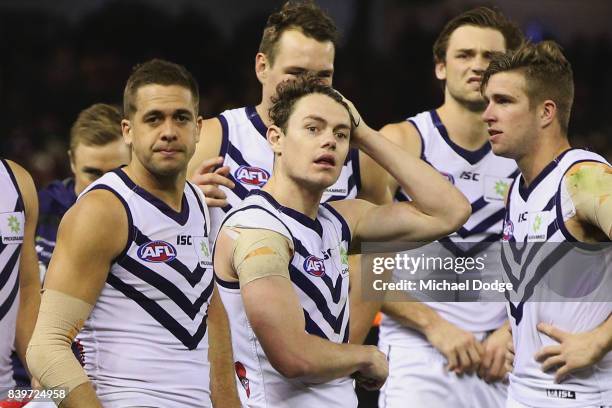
pixel 259 253
pixel 49 356
pixel 590 188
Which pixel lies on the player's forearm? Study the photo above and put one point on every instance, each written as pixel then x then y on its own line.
pixel 222 375
pixel 82 396
pixel 323 361
pixel 421 181
pixel 29 303
pixel 604 335
pixel 413 314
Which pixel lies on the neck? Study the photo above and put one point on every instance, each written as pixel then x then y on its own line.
pixel 262 110
pixel 289 194
pixel 169 189
pixel 465 127
pixel 539 155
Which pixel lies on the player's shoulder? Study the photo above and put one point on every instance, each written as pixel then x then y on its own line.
pixel 20 173
pixel 100 208
pixel 26 186
pixel 588 175
pixel 404 134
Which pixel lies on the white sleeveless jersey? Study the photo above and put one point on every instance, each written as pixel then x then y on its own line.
pixel 556 282
pixel 145 341
pixel 319 274
pixel 12 221
pixel 246 151
pixel 484 179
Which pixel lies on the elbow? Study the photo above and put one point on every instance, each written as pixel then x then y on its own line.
pixel 461 212
pixel 291 365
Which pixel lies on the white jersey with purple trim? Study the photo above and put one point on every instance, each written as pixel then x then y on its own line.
pixel 319 274
pixel 145 341
pixel 246 151
pixel 12 221
pixel 484 179
pixel 557 280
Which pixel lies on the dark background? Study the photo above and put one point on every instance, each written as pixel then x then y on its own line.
pixel 59 57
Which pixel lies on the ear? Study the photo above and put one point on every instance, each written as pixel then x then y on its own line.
pixel 261 67
pixel 273 135
pixel 126 130
pixel 72 165
pixel 199 121
pixel 548 113
pixel 440 69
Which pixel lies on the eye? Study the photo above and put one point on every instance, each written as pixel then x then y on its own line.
pixel 312 129
pixel 152 120
pixel 182 118
pixel 341 135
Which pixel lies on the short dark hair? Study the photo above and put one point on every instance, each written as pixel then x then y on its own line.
pixel 160 72
pixel 289 92
pixel 98 125
pixel 548 75
pixel 483 17
pixel 304 16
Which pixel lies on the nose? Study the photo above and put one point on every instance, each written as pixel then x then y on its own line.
pixel 480 64
pixel 168 130
pixel 488 114
pixel 329 140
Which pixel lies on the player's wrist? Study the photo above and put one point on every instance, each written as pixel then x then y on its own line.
pixel 602 340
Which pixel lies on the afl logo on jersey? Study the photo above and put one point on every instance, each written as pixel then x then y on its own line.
pixel 156 251
pixel 449 177
pixel 314 266
pixel 508 230
pixel 251 175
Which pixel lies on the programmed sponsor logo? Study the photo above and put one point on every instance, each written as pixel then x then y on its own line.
pixel 156 251
pixel 563 394
pixel 251 175
pixel 314 266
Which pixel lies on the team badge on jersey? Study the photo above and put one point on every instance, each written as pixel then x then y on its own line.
pixel 508 230
pixel 11 227
pixel 496 188
pixel 251 175
pixel 156 252
pixel 314 266
pixel 202 248
pixel 241 373
pixel 538 226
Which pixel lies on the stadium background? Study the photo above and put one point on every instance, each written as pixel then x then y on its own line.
pixel 58 57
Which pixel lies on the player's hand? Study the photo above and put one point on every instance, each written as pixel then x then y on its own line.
pixel 493 366
pixel 574 351
pixel 461 349
pixel 509 360
pixel 209 181
pixel 375 373
pixel 360 128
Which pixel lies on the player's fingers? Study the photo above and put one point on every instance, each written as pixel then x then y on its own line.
pixel 562 373
pixel 212 179
pixel 474 357
pixel 464 362
pixel 496 371
pixel 552 332
pixel 213 192
pixel 546 352
pixel 485 364
pixel 207 165
pixel 452 361
pixel 552 362
pixel 224 171
pixel 216 202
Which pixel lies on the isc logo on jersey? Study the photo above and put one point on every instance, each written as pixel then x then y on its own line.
pixel 314 266
pixel 156 251
pixel 251 175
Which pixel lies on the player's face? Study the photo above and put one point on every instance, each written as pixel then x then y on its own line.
pixel 88 163
pixel 164 129
pixel 296 55
pixel 512 121
pixel 316 142
pixel 468 55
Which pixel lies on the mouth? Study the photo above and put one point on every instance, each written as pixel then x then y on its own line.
pixel 475 79
pixel 167 151
pixel 493 133
pixel 326 160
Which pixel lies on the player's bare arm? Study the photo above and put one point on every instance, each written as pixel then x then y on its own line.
pixel 262 269
pixel 222 376
pixel 29 280
pixel 92 233
pixel 205 169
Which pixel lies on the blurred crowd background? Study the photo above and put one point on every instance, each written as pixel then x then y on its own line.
pixel 59 57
